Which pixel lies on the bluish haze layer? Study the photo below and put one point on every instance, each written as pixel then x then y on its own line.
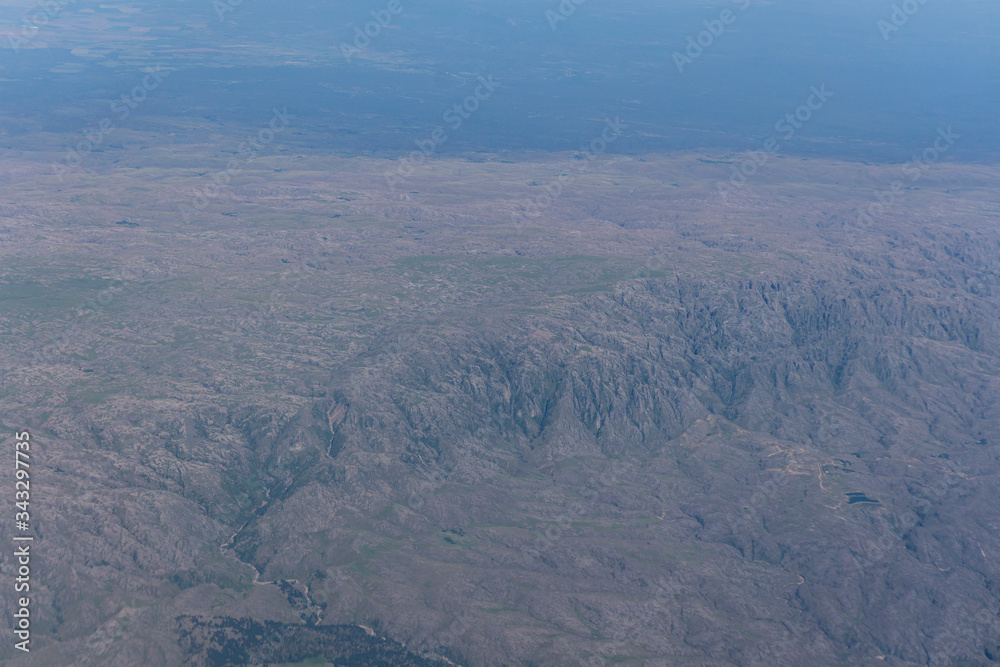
pixel 562 68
